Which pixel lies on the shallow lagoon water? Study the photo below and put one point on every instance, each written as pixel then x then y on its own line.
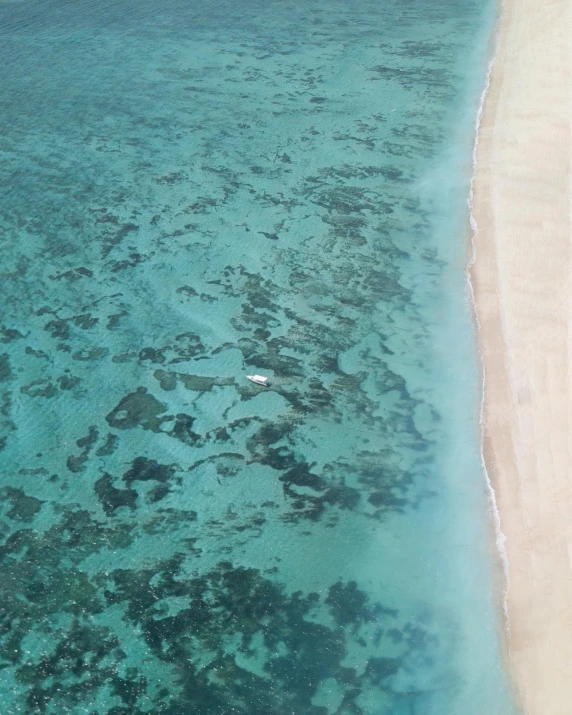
pixel 189 193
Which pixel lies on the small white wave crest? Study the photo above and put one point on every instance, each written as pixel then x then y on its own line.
pixel 500 538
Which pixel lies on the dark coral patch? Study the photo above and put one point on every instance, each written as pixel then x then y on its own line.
pixel 348 604
pixel 10 334
pixel 183 429
pixel 85 321
pixel 68 382
pixel 199 383
pixel 5 371
pixel 36 353
pixel 58 328
pixel 387 500
pixel 94 353
pixel 112 238
pixel 73 274
pixel 22 507
pixel 380 669
pixel 158 493
pixel 187 345
pixel 167 380
pixel 187 290
pixel 75 655
pixel 152 355
pixel 112 498
pixel 40 388
pixel 76 463
pixel 226 600
pixel 143 470
pixel 109 446
pixel 139 408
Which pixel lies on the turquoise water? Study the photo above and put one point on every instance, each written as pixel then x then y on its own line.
pixel 191 192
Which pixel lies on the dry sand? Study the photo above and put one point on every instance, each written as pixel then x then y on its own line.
pixel 522 283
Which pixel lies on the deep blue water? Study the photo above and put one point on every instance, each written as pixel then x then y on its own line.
pixel 191 192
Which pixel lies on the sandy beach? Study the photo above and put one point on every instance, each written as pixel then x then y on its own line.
pixel 521 279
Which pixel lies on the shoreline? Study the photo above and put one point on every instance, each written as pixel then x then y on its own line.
pixel 520 278
pixel 499 536
pixel 501 565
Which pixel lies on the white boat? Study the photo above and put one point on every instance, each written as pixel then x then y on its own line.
pixel 259 380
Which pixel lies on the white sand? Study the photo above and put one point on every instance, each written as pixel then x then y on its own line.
pixel 522 282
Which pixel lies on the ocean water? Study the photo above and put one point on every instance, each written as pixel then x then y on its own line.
pixel 191 192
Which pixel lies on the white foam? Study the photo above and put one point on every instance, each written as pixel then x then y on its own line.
pixel 500 538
